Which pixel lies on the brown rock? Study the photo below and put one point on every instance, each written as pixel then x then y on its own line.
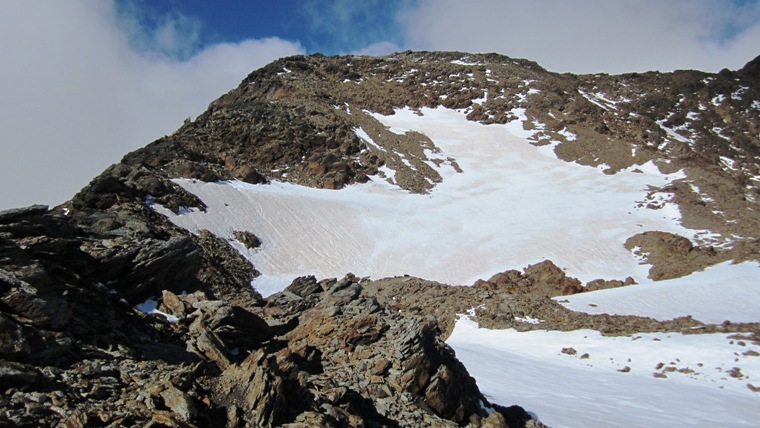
pixel 247 238
pixel 253 388
pixel 179 402
pixel 207 344
pixel 173 305
pixel 77 419
pixel 248 174
pixel 551 279
pixel 304 286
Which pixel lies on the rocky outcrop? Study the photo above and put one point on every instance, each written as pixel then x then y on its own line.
pixel 670 255
pixel 75 351
pixel 518 307
pixel 540 279
pixel 247 238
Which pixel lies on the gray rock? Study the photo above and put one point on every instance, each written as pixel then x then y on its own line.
pixel 13 213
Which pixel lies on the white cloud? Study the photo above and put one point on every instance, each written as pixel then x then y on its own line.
pixel 342 26
pixel 76 96
pixel 378 49
pixel 170 34
pixel 592 35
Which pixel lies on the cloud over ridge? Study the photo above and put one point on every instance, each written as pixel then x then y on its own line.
pixel 77 95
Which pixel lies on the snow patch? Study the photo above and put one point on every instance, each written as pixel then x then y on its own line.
pixel 367 139
pixel 598 99
pixel 267 285
pixel 529 320
pixel 719 293
pixel 716 101
pixel 569 136
pixel 150 307
pixel 462 62
pixel 673 134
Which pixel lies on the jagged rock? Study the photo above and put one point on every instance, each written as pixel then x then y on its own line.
pixel 752 69
pixel 179 402
pixel 50 311
pixel 204 342
pixel 13 374
pixel 227 272
pixel 162 419
pixel 236 327
pixel 13 213
pixel 13 340
pixel 172 304
pixel 394 356
pixel 255 390
pixel 304 286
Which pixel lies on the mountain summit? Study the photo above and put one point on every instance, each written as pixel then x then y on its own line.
pixel 195 283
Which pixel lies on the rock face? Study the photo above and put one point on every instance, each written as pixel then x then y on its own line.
pixel 75 351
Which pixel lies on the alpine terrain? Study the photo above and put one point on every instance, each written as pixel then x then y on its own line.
pixel 423 239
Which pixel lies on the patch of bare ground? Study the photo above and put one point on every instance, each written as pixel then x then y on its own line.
pixel 403 153
pixel 673 256
pixel 523 301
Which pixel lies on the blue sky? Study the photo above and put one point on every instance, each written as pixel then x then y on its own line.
pixel 634 35
pixel 326 26
pixel 86 81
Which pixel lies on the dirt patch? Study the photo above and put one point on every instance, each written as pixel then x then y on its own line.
pixel 522 304
pixel 673 256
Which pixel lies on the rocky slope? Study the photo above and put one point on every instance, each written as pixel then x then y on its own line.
pixel 74 349
pixel 295 120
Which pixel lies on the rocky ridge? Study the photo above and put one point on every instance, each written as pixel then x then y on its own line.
pixel 74 349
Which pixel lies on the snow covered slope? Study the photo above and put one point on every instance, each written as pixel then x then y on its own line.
pixel 513 204
pixel 615 386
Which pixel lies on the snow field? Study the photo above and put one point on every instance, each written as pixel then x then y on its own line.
pixel 562 390
pixel 514 205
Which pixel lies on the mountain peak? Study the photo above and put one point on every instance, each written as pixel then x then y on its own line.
pixel 752 69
